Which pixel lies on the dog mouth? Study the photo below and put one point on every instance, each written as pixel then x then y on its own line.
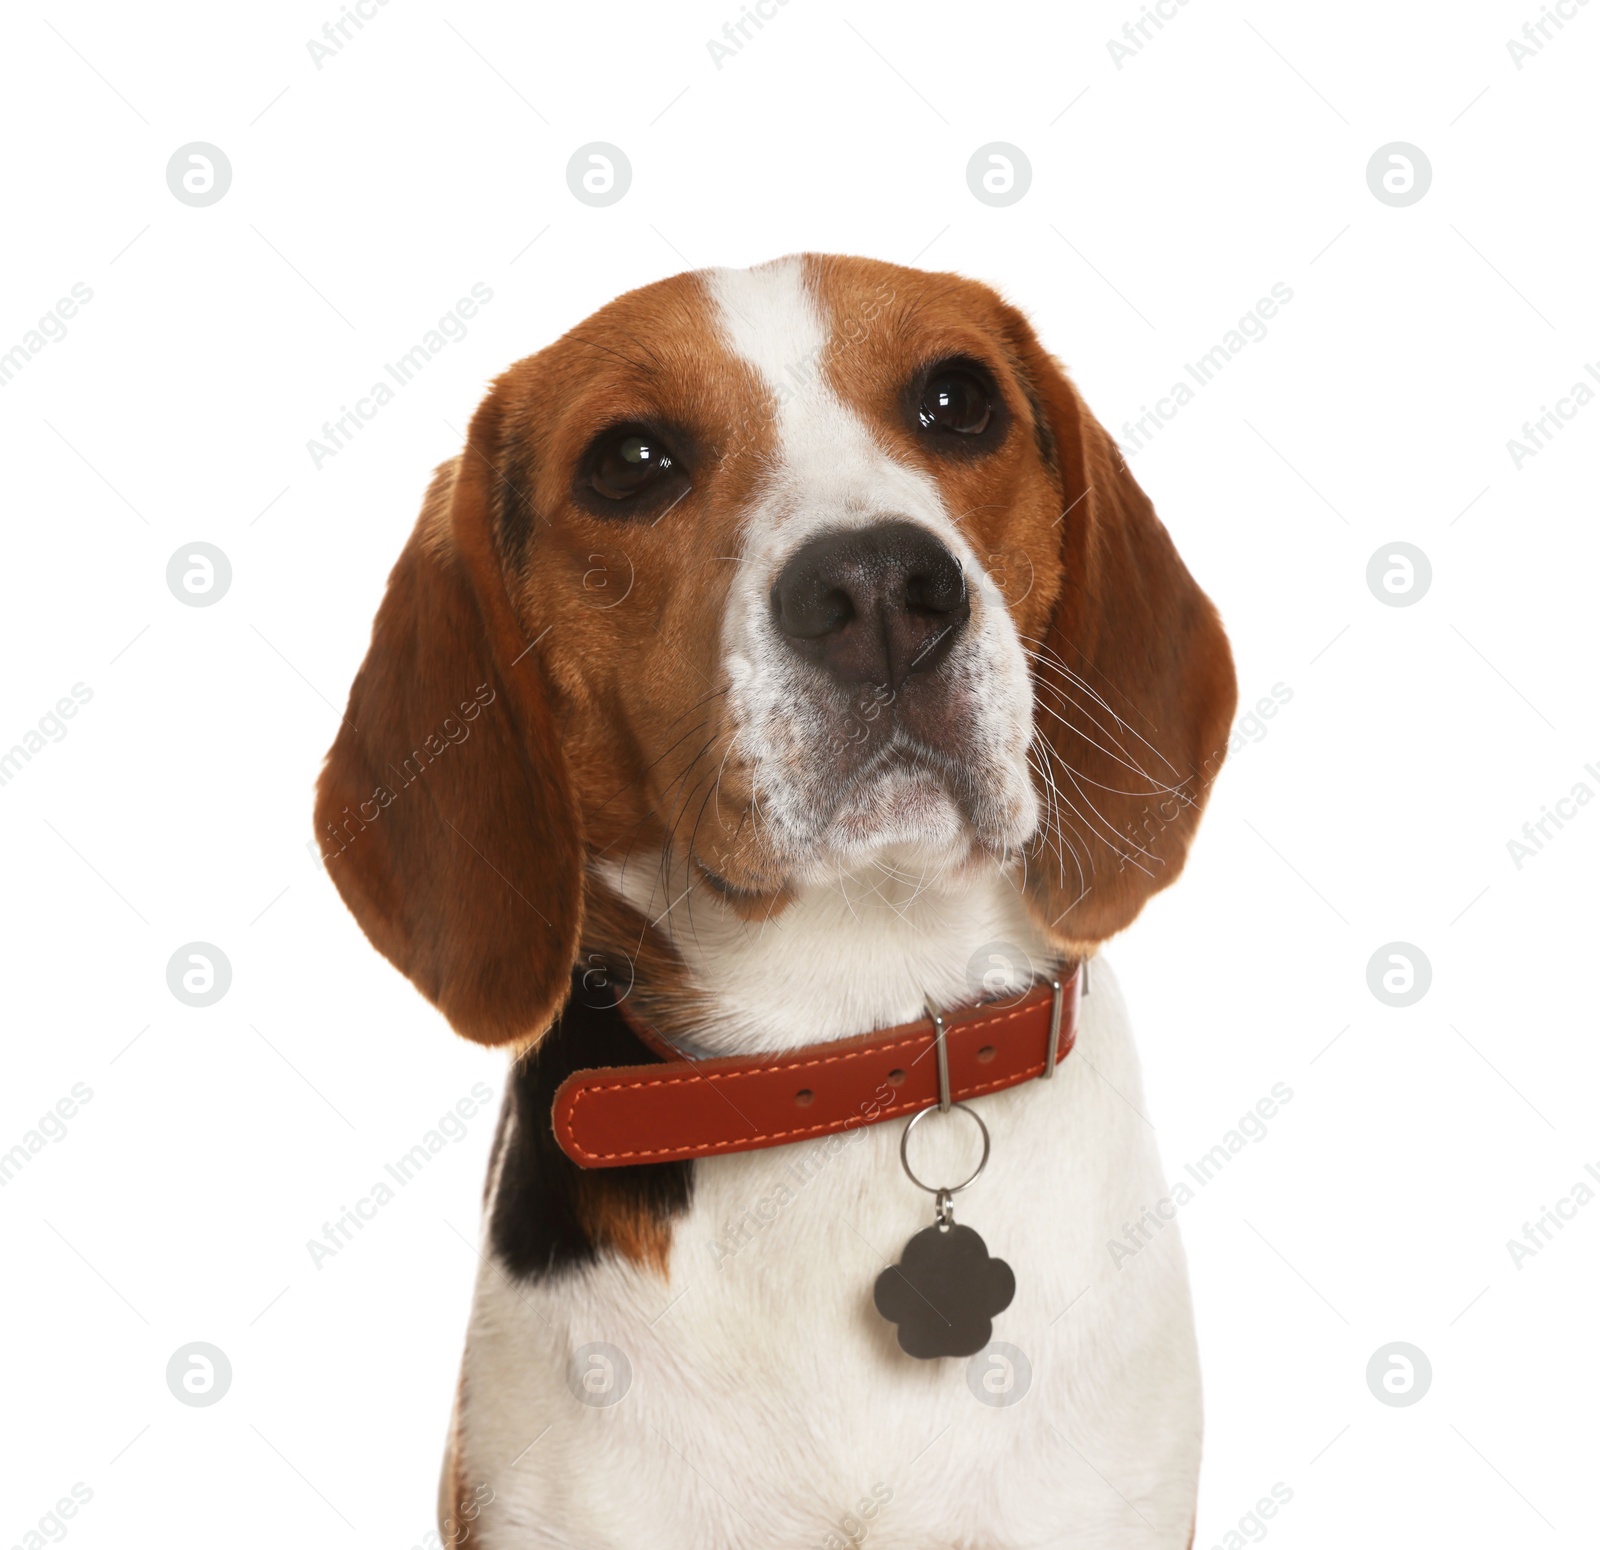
pixel 723 889
pixel 902 781
pixel 908 778
pixel 906 804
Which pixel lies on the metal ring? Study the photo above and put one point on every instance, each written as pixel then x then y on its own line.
pixel 951 1189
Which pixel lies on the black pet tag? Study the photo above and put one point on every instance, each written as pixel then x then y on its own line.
pixel 945 1291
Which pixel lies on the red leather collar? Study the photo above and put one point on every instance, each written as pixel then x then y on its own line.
pixel 678 1108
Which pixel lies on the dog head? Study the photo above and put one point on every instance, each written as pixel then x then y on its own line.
pixel 779 572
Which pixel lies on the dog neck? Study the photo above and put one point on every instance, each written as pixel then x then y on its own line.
pixel 867 952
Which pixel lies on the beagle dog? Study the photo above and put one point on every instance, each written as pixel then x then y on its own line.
pixel 778 702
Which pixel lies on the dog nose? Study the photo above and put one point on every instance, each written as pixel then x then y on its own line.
pixel 872 605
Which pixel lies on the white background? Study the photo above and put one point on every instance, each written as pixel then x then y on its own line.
pixel 1229 154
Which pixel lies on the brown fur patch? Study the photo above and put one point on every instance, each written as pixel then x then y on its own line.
pixel 458 1506
pixel 1134 675
pixel 623 1226
pixel 445 812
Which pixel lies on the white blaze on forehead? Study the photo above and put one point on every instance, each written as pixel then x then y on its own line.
pixel 770 318
pixel 830 469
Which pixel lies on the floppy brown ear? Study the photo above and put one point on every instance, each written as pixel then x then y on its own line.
pixel 445 811
pixel 1134 687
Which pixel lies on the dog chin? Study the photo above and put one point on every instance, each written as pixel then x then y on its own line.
pixel 903 820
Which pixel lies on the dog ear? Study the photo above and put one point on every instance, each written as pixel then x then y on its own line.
pixel 445 810
pixel 1134 685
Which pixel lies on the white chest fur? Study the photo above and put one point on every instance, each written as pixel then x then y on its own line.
pixel 765 1401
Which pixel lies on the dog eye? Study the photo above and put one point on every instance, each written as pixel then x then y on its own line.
pixel 954 401
pixel 627 463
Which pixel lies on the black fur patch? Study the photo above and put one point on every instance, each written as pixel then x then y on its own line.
pixel 1043 433
pixel 512 484
pixel 536 1227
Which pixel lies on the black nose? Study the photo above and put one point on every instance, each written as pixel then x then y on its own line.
pixel 872 605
